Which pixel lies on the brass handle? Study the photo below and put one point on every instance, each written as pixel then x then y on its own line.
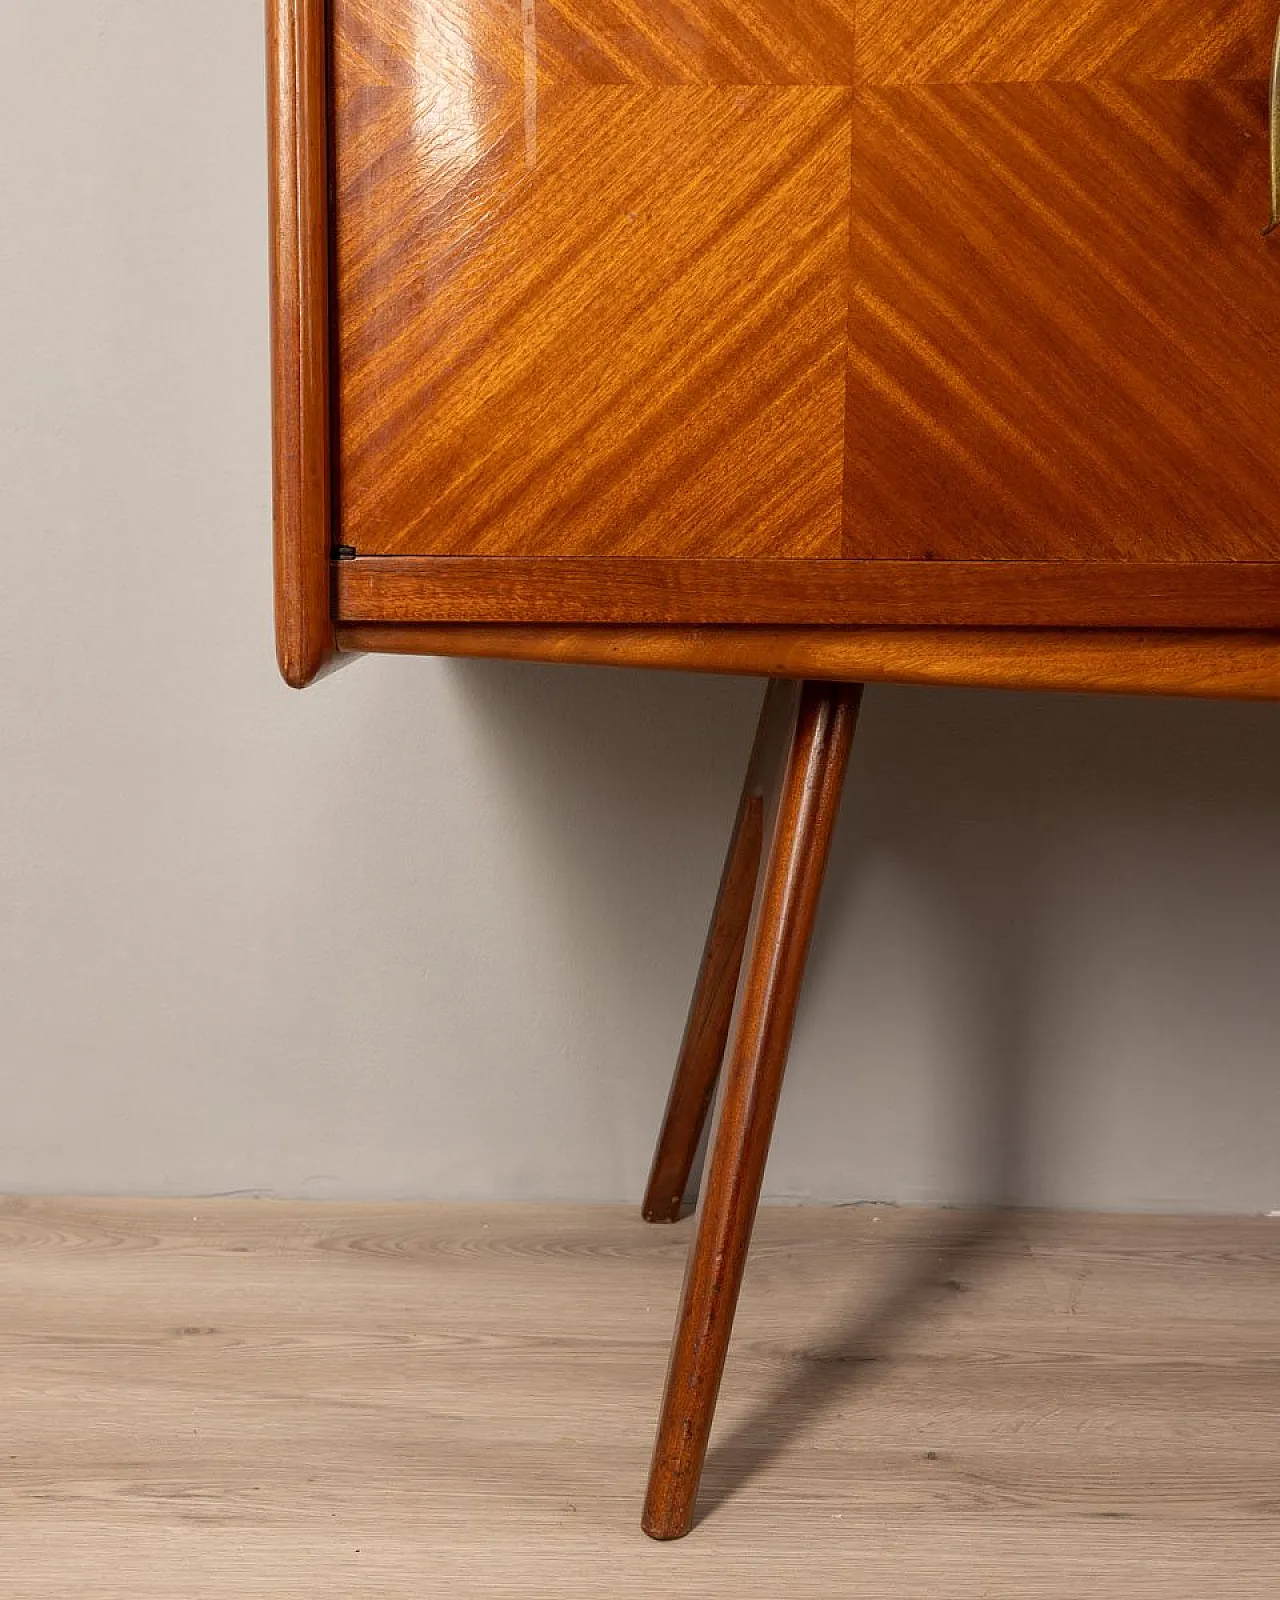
pixel 1275 137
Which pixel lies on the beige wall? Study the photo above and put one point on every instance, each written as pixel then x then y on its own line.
pixel 428 929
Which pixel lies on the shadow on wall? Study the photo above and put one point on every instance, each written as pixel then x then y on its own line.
pixel 1094 882
pixel 1045 969
pixel 624 785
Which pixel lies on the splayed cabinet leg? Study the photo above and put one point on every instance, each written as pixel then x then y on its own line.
pixel 711 1009
pixel 779 942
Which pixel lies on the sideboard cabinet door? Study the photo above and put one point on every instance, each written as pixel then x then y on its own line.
pixel 592 265
pixel 1065 331
pixel 804 312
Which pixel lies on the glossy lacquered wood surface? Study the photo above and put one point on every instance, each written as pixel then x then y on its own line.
pixel 591 273
pixel 865 278
pixel 1063 341
pixel 300 374
pixel 1063 335
pixel 1028 41
pixel 1233 666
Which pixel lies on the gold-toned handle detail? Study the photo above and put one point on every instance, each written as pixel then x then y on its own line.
pixel 1275 137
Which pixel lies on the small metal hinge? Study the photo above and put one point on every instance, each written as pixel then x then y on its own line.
pixel 344 552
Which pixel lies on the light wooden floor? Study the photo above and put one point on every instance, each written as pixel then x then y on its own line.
pixel 250 1399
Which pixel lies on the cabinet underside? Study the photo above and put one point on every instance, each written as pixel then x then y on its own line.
pixel 1236 665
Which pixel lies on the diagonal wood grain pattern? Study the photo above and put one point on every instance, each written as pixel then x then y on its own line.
pixel 806 279
pixel 1034 335
pixel 1031 41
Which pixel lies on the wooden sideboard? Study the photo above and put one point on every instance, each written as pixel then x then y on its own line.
pixel 831 341
pixel 795 314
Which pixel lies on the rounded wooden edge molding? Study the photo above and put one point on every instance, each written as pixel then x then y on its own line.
pixel 299 181
pixel 1219 665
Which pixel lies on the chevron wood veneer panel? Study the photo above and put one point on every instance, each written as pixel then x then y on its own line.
pixel 701 41
pixel 762 42
pixel 590 302
pixel 805 279
pixel 1030 41
pixel 1064 340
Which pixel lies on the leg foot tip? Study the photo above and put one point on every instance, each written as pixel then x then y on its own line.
pixel 664 1531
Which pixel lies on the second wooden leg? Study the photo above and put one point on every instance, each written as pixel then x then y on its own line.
pixel 711 1009
pixel 789 896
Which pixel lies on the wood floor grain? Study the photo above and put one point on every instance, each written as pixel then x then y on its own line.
pixel 254 1399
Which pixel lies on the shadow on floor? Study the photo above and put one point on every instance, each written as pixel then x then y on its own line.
pixel 933 1268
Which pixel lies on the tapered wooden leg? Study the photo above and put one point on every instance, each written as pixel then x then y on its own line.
pixel 711 1009
pixel 788 902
